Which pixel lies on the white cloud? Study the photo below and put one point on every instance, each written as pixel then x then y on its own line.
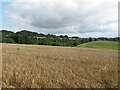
pixel 66 16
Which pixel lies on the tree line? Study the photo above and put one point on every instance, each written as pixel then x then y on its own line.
pixel 29 37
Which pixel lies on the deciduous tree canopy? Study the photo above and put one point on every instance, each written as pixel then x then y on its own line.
pixel 28 37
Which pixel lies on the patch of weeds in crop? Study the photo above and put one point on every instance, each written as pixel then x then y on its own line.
pixel 80 86
pixel 18 48
pixel 37 57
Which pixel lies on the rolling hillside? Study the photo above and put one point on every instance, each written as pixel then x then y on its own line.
pixel 101 45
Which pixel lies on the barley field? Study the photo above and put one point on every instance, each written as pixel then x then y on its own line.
pixel 37 66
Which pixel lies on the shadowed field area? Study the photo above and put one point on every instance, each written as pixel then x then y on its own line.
pixel 34 66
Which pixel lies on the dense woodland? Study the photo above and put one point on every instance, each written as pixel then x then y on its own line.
pixel 28 37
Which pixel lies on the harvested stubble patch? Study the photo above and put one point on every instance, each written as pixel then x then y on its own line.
pixel 58 67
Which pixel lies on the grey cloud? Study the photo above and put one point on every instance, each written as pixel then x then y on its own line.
pixel 60 17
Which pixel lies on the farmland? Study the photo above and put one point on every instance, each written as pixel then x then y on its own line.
pixel 38 66
pixel 101 45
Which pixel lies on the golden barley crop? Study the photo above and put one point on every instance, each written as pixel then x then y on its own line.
pixel 35 66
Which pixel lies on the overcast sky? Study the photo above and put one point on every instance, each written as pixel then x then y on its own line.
pixel 84 18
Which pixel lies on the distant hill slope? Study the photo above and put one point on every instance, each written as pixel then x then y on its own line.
pixel 101 45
